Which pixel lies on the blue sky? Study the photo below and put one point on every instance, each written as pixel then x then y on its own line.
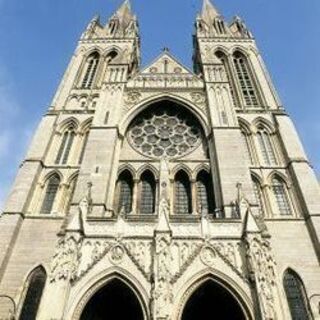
pixel 38 38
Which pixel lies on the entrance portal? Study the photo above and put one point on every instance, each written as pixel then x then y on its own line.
pixel 212 301
pixel 115 301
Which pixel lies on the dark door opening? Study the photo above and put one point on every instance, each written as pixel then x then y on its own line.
pixel 115 301
pixel 212 301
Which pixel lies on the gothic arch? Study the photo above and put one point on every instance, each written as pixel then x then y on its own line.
pixel 85 125
pixel 278 175
pixel 255 176
pixel 245 126
pixel 72 121
pixel 148 167
pixel 109 50
pixel 224 281
pixel 222 49
pixel 93 285
pixel 127 167
pixel 260 121
pixel 241 50
pixel 73 176
pixel 184 168
pixel 50 174
pixel 199 168
pixel 92 50
pixel 138 108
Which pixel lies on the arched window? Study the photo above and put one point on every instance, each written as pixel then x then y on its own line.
pixel 90 70
pixel 70 193
pixel 148 193
pixel 36 283
pixel 246 139
pixel 296 296
pixel 223 58
pixel 50 194
pixel 257 193
pixel 205 195
pixel 280 193
pixel 66 145
pixel 84 145
pixel 182 196
pixel 245 79
pixel 265 146
pixel 125 192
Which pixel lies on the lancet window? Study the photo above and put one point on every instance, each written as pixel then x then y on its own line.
pixel 65 146
pixel 296 296
pixel 90 70
pixel 205 195
pixel 281 197
pixel 266 147
pixel 258 194
pixel 125 192
pixel 50 194
pixel 84 144
pixel 182 194
pixel 36 283
pixel 148 193
pixel 245 80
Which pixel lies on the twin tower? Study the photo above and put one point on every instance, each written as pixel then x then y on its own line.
pixel 161 193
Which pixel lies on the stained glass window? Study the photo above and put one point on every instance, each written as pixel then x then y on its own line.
pixel 280 193
pixel 205 196
pixel 148 196
pixel 296 296
pixel 182 188
pixel 33 296
pixel 165 131
pixel 50 194
pixel 125 183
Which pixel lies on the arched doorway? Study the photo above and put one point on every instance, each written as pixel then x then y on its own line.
pixel 115 301
pixel 212 301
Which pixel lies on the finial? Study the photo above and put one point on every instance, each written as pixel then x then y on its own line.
pixel 165 49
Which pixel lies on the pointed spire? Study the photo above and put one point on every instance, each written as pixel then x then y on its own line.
pixel 209 12
pixel 124 13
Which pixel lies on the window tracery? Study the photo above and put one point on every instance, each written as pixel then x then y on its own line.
pixel 245 80
pixel 280 193
pixel 33 295
pixel 50 194
pixel 266 147
pixel 165 131
pixel 148 193
pixel 125 189
pixel 182 194
pixel 296 296
pixel 65 146
pixel 205 195
pixel 91 70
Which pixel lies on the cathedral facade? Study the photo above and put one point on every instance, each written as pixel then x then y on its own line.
pixel 163 193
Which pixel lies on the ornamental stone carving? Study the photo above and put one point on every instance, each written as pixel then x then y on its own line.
pixel 132 97
pixel 166 132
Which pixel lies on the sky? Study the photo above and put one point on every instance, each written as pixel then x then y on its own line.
pixel 38 37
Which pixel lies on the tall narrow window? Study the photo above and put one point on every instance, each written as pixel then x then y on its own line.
pixel 257 193
pixel 50 194
pixel 205 195
pixel 125 189
pixel 223 58
pixel 281 196
pixel 245 80
pixel 84 144
pixel 148 193
pixel 70 194
pixel 90 71
pixel 246 145
pixel 37 281
pixel 65 147
pixel 266 148
pixel 296 296
pixel 182 189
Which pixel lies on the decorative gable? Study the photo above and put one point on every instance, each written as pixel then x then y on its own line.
pixel 166 72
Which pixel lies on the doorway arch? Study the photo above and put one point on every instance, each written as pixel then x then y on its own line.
pixel 213 298
pixel 116 300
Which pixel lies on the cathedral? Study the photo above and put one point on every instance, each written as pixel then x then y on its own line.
pixel 163 193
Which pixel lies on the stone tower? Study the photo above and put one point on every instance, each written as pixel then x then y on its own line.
pixel 163 193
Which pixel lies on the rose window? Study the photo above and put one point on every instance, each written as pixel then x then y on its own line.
pixel 160 132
